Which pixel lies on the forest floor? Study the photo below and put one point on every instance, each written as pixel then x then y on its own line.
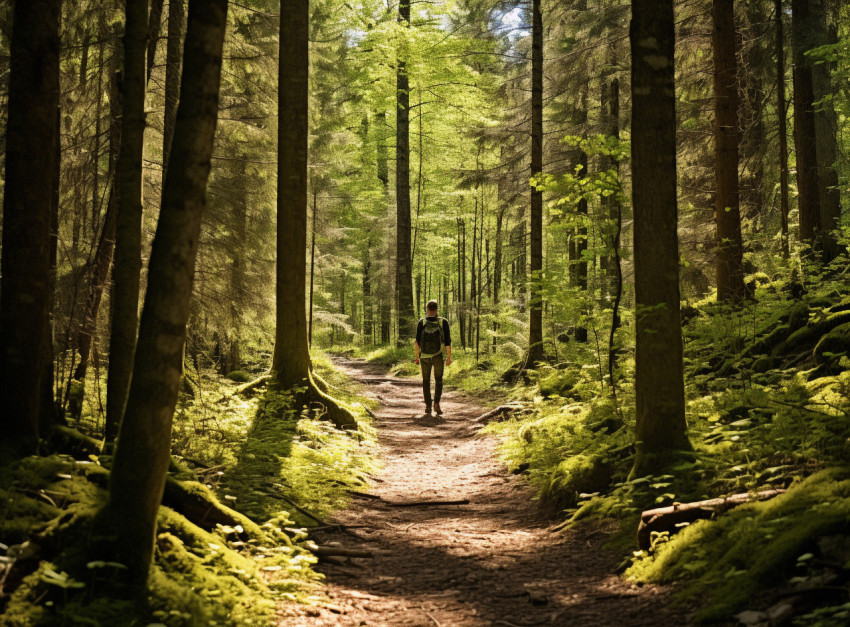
pixel 494 561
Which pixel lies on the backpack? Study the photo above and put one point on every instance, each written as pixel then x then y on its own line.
pixel 432 337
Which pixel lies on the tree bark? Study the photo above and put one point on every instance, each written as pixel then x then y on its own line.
pixel 804 124
pixel 535 296
pixel 826 132
pixel 659 377
pixel 730 272
pixel 783 128
pixel 154 26
pixel 126 271
pixel 581 210
pixel 173 66
pixel 291 361
pixel 31 152
pixel 144 445
pixel 404 269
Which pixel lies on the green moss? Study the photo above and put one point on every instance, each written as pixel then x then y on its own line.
pixel 558 382
pixel 807 336
pixel 834 344
pixel 576 476
pixel 728 560
pixel 240 376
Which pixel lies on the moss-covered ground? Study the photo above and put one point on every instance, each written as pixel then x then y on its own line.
pixel 279 468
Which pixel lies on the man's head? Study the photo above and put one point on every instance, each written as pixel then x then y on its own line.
pixel 431 307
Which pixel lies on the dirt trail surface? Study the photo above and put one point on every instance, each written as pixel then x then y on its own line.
pixel 493 561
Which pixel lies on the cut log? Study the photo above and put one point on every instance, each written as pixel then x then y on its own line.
pixel 671 518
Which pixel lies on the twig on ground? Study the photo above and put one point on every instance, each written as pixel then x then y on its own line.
pixel 426 503
pixel 436 622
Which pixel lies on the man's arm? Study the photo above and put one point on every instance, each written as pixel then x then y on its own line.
pixel 448 355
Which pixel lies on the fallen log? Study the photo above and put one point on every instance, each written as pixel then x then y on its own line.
pixel 425 503
pixel 338 551
pixel 672 517
pixel 500 410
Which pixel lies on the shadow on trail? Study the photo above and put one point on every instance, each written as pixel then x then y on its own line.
pixel 493 561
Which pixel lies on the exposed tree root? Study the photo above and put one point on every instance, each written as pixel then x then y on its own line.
pixel 245 388
pixel 334 410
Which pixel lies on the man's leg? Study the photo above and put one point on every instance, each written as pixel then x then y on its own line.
pixel 426 381
pixel 438 381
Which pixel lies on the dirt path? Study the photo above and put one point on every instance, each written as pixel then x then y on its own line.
pixel 494 561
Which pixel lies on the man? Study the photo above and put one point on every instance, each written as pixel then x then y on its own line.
pixel 432 335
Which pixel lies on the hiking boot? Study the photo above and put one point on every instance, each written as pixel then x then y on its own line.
pixel 428 410
pixel 437 409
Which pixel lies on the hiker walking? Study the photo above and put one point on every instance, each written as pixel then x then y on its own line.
pixel 432 335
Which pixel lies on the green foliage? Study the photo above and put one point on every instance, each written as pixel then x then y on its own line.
pixel 726 561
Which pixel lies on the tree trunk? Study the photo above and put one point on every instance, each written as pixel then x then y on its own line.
pixel 239 217
pixel 826 132
pixel 404 270
pixel 154 26
pixel 368 336
pixel 381 152
pixel 128 235
pixel 730 272
pixel 535 296
pixel 144 446
pixel 25 296
pixel 291 363
pixel 102 262
pixel 804 125
pixel 473 288
pixel 581 228
pixel 173 65
pixel 783 128
pixel 659 376
pixel 312 268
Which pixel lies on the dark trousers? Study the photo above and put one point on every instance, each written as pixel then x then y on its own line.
pixel 436 364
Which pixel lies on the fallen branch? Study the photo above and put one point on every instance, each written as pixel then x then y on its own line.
pixel 501 410
pixel 670 518
pixel 426 503
pixel 338 551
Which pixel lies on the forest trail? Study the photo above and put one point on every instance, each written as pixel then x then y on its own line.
pixel 494 561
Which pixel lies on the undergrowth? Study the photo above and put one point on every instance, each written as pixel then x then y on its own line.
pixel 767 407
pixel 261 456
